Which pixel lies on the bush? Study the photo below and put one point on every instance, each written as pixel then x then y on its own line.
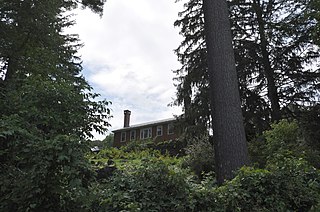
pixel 138 145
pixel 200 156
pixel 149 186
pixel 174 148
pixel 45 175
pixel 171 147
pixel 291 185
pixel 285 139
pixel 120 159
pixel 309 121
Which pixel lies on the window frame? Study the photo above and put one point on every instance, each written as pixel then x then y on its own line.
pixel 123 138
pixel 149 133
pixel 132 138
pixel 170 128
pixel 161 130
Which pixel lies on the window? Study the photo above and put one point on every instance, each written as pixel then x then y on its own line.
pixel 145 133
pixel 132 135
pixel 123 136
pixel 170 129
pixel 159 130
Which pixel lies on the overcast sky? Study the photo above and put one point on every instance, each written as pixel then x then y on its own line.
pixel 128 57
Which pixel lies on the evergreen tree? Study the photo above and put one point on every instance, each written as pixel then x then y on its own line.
pixel 48 109
pixel 231 152
pixel 275 56
pixel 41 74
pixel 192 77
pixel 275 36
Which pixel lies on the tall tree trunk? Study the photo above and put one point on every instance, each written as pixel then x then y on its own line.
pixel 268 71
pixel 230 143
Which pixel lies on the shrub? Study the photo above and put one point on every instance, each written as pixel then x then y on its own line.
pixel 285 139
pixel 120 159
pixel 171 147
pixel 150 186
pixel 309 121
pixel 174 148
pixel 45 175
pixel 290 185
pixel 138 145
pixel 200 156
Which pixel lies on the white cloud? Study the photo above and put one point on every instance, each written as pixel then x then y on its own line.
pixel 128 56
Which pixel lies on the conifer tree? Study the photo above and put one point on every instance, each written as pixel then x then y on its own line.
pixel 231 152
pixel 48 109
pixel 41 74
pixel 275 76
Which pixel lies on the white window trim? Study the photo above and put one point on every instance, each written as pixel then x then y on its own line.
pixel 135 135
pixel 121 136
pixel 160 127
pixel 142 133
pixel 170 125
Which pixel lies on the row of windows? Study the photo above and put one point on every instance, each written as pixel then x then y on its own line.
pixel 146 133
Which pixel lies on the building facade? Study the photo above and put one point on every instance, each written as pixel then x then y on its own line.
pixel 158 131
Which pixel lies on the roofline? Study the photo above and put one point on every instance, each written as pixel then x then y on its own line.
pixel 146 124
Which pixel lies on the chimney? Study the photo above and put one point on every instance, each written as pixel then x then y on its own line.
pixel 127 114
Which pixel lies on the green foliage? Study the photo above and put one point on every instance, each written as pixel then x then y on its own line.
pixel 152 184
pixel 290 46
pixel 315 13
pixel 172 147
pixel 149 186
pixel 282 139
pixel 309 122
pixel 146 180
pixel 138 145
pixel 43 175
pixel 42 80
pixel 122 157
pixel 292 185
pixel 47 108
pixel 57 107
pixel 285 139
pixel 107 142
pixel 200 156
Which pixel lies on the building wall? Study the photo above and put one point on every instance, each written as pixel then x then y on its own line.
pixel 165 136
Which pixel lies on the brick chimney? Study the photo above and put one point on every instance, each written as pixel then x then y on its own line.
pixel 127 114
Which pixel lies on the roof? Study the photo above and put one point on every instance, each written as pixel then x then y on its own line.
pixel 146 124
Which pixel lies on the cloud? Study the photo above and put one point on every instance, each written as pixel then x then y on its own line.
pixel 128 56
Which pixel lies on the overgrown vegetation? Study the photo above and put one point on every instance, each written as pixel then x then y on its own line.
pixel 48 112
pixel 146 180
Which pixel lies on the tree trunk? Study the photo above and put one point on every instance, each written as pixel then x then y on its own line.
pixel 231 150
pixel 268 71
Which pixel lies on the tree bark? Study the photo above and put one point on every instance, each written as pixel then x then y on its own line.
pixel 268 71
pixel 231 150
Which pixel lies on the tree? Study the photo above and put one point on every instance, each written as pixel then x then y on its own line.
pixel 230 143
pixel 48 109
pixel 192 77
pixel 36 56
pixel 274 48
pixel 315 15
pixel 289 48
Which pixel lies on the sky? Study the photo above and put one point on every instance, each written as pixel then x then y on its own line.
pixel 128 57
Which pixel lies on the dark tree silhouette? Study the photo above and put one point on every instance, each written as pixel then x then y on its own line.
pixel 230 143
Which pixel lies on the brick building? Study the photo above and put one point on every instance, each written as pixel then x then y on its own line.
pixel 162 130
